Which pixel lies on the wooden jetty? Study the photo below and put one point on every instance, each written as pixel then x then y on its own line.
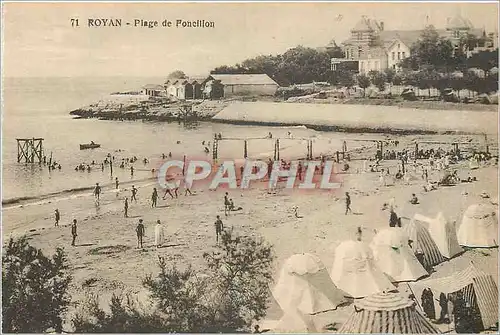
pixel 29 150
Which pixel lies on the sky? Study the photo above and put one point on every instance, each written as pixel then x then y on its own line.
pixel 39 40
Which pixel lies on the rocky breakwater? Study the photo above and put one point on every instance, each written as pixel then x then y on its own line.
pixel 143 107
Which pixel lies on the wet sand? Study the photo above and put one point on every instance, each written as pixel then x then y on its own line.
pixel 106 260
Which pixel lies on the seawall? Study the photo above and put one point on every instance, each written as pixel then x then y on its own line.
pixel 341 117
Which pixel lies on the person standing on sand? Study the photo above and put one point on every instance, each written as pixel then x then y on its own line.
pixel 97 191
pixel 140 233
pixel 73 232
pixel 226 203
pixel 125 207
pixel 116 183
pixel 154 197
pixel 187 186
pixel 134 193
pixel 159 234
pixel 57 217
pixel 219 227
pixel 347 203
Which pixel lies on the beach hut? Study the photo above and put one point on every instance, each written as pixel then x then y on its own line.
pixel 354 270
pixel 304 284
pixel 444 234
pixel 422 242
pixel 477 287
pixel 293 321
pixel 479 228
pixel 386 313
pixel 394 257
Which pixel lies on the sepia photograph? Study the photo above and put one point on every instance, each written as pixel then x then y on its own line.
pixel 250 167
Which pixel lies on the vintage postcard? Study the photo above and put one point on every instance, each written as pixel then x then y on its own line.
pixel 250 167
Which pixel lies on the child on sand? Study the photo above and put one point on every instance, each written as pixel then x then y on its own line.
pixel 347 203
pixel 140 233
pixel 97 191
pixel 57 217
pixel 414 199
pixel 73 232
pixel 154 197
pixel 219 226
pixel 116 183
pixel 125 207
pixel 134 193
pixel 159 234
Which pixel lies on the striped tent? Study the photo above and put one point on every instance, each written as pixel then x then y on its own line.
pixel 478 288
pixel 388 313
pixel 422 242
pixel 304 285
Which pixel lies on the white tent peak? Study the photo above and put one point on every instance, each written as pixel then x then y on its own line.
pixel 355 272
pixel 304 285
pixel 394 256
pixel 479 226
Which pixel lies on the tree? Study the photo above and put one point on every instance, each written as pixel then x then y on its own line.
pixel 344 78
pixel 484 60
pixel 231 294
pixel 432 50
pixel 389 75
pixel 378 79
pixel 34 288
pixel 177 74
pixel 363 82
pixel 242 274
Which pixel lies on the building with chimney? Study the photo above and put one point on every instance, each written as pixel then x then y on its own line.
pixel 376 48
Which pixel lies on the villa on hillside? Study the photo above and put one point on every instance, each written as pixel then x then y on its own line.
pixel 375 48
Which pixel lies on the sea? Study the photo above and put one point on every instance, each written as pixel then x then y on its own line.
pixel 39 108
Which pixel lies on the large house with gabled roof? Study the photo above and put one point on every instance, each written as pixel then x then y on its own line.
pixel 376 48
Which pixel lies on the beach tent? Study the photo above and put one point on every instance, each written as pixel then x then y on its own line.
pixel 444 234
pixel 386 313
pixel 394 256
pixel 422 242
pixel 479 227
pixel 478 288
pixel 293 321
pixel 354 270
pixel 304 284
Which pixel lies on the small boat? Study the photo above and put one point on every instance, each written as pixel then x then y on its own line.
pixel 91 145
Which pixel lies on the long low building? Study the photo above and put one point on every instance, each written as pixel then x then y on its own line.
pixel 218 86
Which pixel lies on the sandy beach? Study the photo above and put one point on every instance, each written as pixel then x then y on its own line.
pixel 106 260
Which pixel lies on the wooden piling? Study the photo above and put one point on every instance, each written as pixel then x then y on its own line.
pixel 29 150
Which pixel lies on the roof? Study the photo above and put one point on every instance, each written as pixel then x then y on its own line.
pixel 153 87
pixel 366 24
pixel 485 289
pixel 387 313
pixel 244 79
pixel 458 22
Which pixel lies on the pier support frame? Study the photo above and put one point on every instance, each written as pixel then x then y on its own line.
pixel 29 150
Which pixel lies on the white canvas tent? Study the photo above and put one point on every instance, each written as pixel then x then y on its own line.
pixel 479 227
pixel 386 313
pixel 304 285
pixel 394 256
pixel 444 234
pixel 354 270
pixel 423 242
pixel 478 288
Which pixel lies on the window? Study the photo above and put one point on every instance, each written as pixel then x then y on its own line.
pixel 399 46
pixel 393 55
pixel 376 65
pixel 360 49
pixel 347 54
pixel 404 55
pixel 456 34
pixel 399 55
pixel 360 36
